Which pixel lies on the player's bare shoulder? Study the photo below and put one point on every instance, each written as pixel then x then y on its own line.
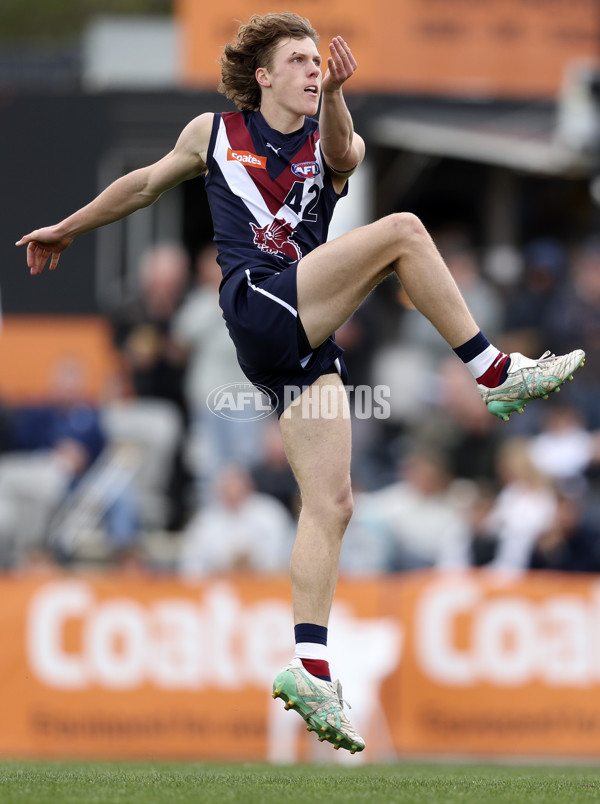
pixel 195 137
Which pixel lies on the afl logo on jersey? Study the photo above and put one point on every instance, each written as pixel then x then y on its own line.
pixel 306 170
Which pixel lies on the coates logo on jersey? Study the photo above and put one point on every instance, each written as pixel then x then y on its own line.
pixel 276 238
pixel 306 170
pixel 247 158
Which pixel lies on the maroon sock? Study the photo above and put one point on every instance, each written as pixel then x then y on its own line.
pixel 317 667
pixel 311 649
pixel 497 372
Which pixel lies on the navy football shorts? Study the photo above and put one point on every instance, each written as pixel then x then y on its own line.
pixel 272 348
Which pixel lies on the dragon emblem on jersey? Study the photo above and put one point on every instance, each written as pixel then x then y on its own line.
pixel 276 238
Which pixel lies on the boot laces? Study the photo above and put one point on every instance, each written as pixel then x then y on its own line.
pixel 546 357
pixel 338 690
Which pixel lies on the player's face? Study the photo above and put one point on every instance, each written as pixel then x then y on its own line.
pixel 295 75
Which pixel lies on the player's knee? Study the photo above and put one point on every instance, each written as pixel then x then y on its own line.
pixel 339 507
pixel 332 508
pixel 344 505
pixel 407 226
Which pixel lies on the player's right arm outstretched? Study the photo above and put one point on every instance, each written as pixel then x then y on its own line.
pixel 131 192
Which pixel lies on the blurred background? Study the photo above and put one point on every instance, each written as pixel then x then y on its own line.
pixel 482 119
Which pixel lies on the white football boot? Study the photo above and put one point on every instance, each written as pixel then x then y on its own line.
pixel 320 703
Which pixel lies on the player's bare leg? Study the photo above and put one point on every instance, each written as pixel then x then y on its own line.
pixel 335 278
pixel 318 449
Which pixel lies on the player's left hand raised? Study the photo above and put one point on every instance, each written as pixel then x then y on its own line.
pixel 341 64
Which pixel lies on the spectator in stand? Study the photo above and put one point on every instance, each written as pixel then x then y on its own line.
pixel 142 334
pixel 564 449
pixel 422 513
pixel 458 427
pixel 579 320
pixel 54 445
pixel 523 510
pixel 369 544
pixel 571 542
pixel 533 307
pixel 483 541
pixel 68 423
pixel 241 530
pixel 142 325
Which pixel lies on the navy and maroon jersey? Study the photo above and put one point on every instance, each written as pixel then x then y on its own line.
pixel 270 194
pixel 271 199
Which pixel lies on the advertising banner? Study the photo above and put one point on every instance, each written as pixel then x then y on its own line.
pixel 497 48
pixel 111 666
pixel 493 666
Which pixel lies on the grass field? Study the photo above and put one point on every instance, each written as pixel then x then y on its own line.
pixel 169 783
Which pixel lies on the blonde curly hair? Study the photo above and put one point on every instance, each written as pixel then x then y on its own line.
pixel 252 48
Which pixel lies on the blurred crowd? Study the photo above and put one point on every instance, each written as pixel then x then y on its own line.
pixel 148 478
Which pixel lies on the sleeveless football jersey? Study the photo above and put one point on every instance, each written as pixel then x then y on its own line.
pixel 270 194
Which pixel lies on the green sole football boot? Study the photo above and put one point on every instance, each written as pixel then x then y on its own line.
pixel 530 379
pixel 320 703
